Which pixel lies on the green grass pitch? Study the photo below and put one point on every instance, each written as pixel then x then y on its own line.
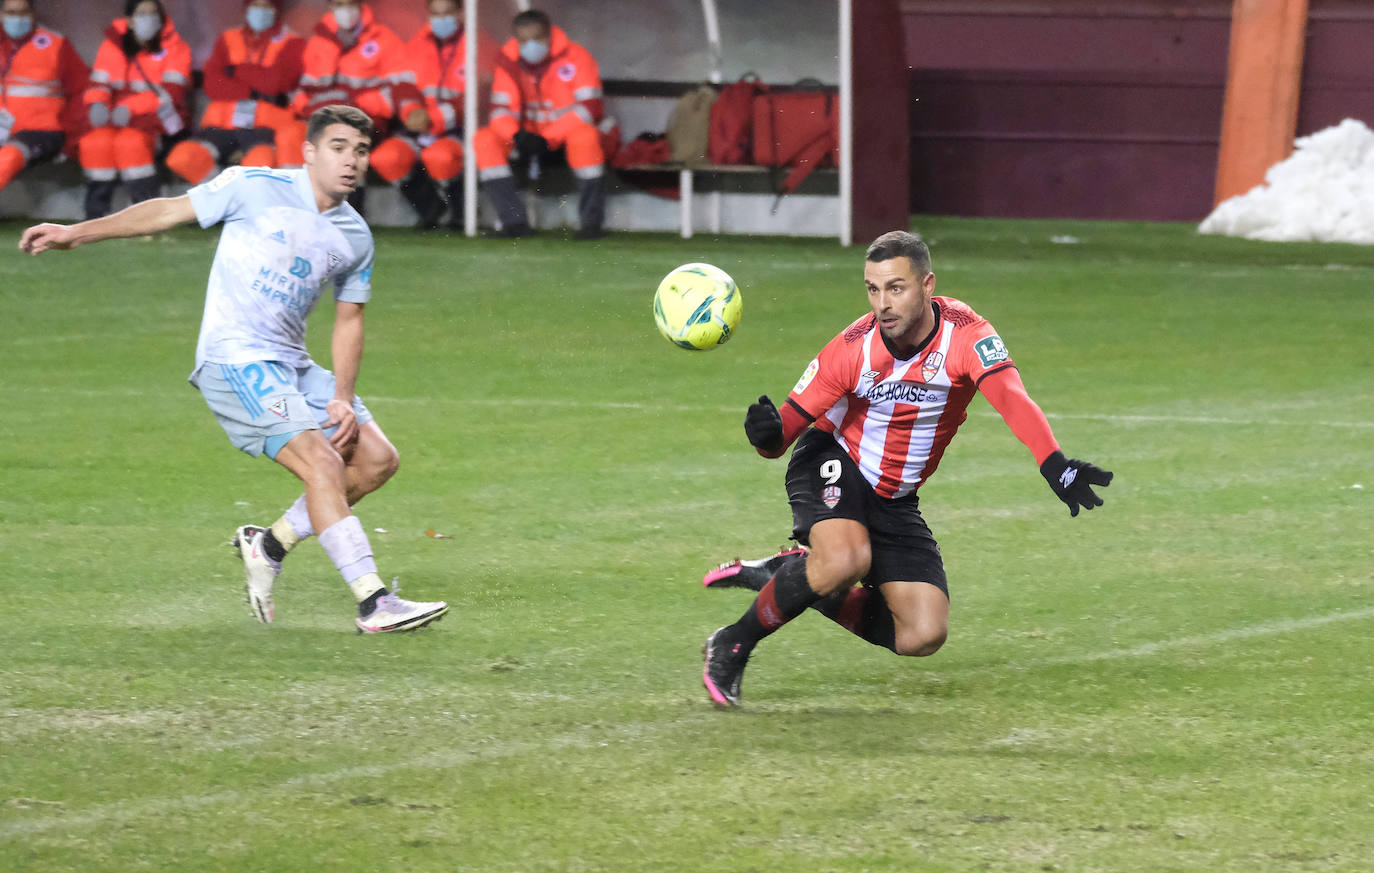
pixel 1182 680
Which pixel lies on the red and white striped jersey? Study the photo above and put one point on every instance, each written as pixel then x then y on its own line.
pixel 895 417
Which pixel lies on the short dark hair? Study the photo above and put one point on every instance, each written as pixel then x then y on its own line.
pixel 901 244
pixel 338 113
pixel 533 16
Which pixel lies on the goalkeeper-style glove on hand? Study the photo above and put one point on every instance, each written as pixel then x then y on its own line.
pixel 763 425
pixel 1071 481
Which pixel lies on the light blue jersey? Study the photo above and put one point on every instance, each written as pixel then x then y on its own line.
pixel 275 254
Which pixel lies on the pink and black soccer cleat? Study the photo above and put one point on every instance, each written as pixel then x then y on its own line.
pixel 749 574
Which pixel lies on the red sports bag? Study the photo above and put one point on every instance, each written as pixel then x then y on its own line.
pixel 796 130
pixel 732 120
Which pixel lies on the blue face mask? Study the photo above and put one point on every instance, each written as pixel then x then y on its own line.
pixel 261 18
pixel 18 26
pixel 533 51
pixel 146 26
pixel 443 26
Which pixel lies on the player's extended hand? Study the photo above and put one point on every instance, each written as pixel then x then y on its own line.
pixel 341 414
pixel 41 237
pixel 1072 481
pixel 763 425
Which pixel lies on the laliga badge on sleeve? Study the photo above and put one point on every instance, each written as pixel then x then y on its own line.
pixel 811 370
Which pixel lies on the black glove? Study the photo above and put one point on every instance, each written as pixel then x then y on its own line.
pixel 1070 479
pixel 275 99
pixel 763 425
pixel 529 144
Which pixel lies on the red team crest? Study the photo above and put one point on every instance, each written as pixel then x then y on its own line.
pixel 830 495
pixel 930 367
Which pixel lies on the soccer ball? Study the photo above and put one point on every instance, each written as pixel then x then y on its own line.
pixel 697 307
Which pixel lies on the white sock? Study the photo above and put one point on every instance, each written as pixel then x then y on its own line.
pixel 366 585
pixel 347 546
pixel 294 525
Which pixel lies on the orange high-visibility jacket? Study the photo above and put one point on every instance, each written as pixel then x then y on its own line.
pixel 531 97
pixel 243 62
pixel 38 75
pixel 360 74
pixel 139 82
pixel 435 80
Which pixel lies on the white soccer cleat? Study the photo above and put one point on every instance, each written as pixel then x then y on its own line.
pixel 260 571
pixel 392 613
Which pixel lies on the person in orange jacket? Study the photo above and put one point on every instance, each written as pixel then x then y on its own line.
pixel 137 96
pixel 354 59
pixel 545 94
pixel 249 78
pixel 41 76
pixel 351 58
pixel 429 147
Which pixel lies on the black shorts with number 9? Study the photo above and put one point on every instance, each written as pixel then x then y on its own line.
pixel 824 482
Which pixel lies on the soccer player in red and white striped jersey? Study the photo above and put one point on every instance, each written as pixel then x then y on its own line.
pixel 871 417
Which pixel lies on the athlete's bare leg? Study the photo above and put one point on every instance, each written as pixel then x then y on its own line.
pixel 322 470
pixel 839 557
pixel 920 616
pixel 370 462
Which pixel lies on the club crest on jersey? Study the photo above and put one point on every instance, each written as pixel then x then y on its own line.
pixel 930 367
pixel 811 370
pixel 991 350
pixel 279 409
pixel 830 495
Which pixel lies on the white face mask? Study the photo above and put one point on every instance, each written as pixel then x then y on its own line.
pixel 347 17
pixel 145 26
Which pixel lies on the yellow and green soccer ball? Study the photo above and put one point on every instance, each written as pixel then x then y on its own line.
pixel 697 307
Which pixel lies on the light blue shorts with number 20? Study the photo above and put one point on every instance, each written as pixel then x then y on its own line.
pixel 264 404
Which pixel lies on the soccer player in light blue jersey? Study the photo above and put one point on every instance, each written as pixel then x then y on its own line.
pixel 286 233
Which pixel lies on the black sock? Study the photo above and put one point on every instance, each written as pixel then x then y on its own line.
pixel 783 598
pixel 366 607
pixel 272 547
pixel 864 613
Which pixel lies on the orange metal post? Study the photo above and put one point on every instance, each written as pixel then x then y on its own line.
pixel 1264 76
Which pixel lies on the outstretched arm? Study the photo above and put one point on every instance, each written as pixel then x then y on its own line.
pixel 1069 478
pixel 150 216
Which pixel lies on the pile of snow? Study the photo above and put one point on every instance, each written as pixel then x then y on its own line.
pixel 1323 193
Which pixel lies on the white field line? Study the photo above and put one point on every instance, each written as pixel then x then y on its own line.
pixel 160 807
pixel 157 807
pixel 983 413
pixel 1144 650
pixel 737 408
